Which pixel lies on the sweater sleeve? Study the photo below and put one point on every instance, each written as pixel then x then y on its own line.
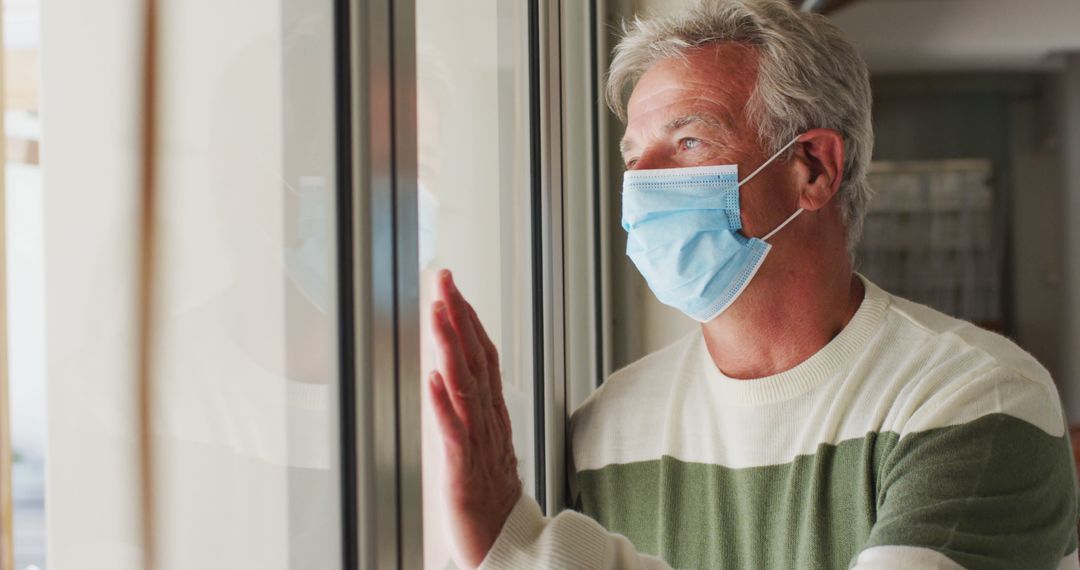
pixel 568 540
pixel 991 492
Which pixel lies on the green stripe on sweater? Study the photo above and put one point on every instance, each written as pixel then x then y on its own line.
pixel 993 493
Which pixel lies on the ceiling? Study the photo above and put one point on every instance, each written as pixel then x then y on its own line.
pixel 904 36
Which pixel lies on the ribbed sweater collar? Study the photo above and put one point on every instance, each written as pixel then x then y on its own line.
pixel 809 373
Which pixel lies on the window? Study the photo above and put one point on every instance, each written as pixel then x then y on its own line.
pixel 306 195
pixel 475 205
pixel 245 381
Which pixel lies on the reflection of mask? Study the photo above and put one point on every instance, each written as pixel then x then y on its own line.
pixel 428 222
pixel 308 264
pixel 683 235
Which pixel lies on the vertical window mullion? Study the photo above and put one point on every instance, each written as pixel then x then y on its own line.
pixel 376 73
pixel 536 207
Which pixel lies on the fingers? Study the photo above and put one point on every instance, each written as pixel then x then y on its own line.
pixel 463 388
pixel 491 356
pixel 467 330
pixel 450 425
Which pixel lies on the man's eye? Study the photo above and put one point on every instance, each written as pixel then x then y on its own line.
pixel 688 143
pixel 630 163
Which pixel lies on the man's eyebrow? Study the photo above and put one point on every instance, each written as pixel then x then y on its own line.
pixel 685 120
pixel 680 122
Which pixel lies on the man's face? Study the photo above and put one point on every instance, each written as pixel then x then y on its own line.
pixel 690 112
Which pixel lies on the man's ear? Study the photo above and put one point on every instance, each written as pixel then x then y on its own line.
pixel 819 167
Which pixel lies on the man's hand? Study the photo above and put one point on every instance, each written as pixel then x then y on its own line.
pixel 482 483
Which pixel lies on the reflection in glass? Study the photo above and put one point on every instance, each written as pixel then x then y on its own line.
pixel 247 423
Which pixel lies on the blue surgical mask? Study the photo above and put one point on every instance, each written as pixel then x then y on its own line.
pixel 683 235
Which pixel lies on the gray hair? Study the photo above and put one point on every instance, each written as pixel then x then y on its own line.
pixel 809 76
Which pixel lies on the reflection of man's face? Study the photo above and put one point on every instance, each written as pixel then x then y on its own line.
pixel 428 139
pixel 691 112
pixel 259 150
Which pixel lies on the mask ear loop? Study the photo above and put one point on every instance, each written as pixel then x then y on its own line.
pixel 762 167
pixel 781 226
pixel 771 158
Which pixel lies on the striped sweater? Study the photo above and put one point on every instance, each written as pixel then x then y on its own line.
pixel 911 440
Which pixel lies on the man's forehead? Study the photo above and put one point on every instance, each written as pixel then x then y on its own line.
pixel 674 109
pixel 725 70
pixel 713 83
pixel 681 107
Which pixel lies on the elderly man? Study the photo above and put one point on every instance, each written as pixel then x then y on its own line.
pixel 815 421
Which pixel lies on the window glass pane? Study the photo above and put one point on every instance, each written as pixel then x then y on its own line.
pixel 244 420
pixel 474 204
pixel 247 424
